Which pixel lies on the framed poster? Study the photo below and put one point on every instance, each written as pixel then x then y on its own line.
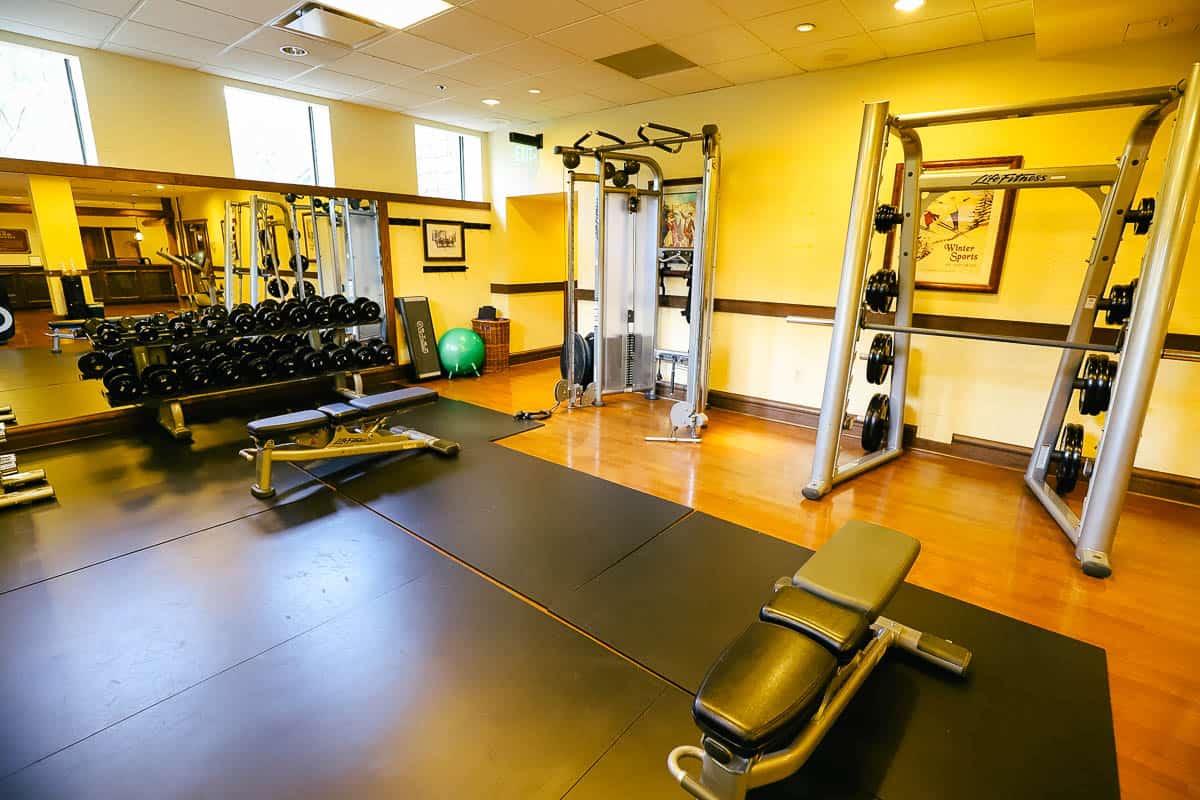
pixel 443 240
pixel 14 241
pixel 679 215
pixel 962 235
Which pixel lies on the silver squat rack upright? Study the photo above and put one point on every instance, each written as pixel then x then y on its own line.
pixel 1140 341
pixel 626 321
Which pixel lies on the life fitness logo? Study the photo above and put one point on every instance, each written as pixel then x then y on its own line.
pixel 993 178
pixel 421 337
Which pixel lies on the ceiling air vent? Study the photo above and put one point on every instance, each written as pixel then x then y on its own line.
pixel 646 61
pixel 333 26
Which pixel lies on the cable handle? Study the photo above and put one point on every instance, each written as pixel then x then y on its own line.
pixel 616 139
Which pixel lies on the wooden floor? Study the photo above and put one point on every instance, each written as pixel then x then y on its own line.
pixel 31 323
pixel 984 540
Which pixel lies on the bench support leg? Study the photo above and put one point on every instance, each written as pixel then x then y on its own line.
pixel 170 416
pixel 262 488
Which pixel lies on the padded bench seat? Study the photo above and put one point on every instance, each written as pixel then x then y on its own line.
pixel 339 412
pixel 769 681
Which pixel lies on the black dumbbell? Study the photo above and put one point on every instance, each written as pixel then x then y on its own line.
pixel 224 371
pixel 108 334
pixel 294 314
pixel 90 325
pixel 182 353
pixel 335 304
pixel 181 329
pixel 265 345
pixel 194 376
pixel 241 319
pixel 244 347
pixel 122 386
pixel 345 312
pixel 94 364
pixel 284 364
pixel 256 369
pixel 384 352
pixel 329 336
pixel 366 310
pixel 313 362
pixel 364 356
pixel 339 357
pixel 214 327
pixel 160 380
pixel 145 331
pixel 267 317
pixel 318 310
pixel 215 312
pixel 207 351
pixel 127 322
pixel 291 341
pixel 122 358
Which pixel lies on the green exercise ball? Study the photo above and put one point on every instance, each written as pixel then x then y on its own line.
pixel 461 351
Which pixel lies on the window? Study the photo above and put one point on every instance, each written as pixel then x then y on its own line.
pixel 279 139
pixel 449 164
pixel 43 108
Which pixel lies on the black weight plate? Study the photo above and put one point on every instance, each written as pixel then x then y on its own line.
pixel 160 380
pixel 108 334
pixel 181 329
pixel 1070 459
pixel 339 357
pixel 195 377
pixel 879 358
pixel 224 371
pixel 277 287
pixel 91 324
pixel 310 289
pixel 122 386
pixel 122 358
pixel 875 423
pixel 215 327
pixel 290 341
pixel 367 309
pixel 94 364
pixel 314 362
pixel 584 363
pixel 269 318
pixel 242 320
pixel 284 365
pixel 128 322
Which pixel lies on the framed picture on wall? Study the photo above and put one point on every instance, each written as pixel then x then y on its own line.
pixel 679 214
pixel 962 235
pixel 443 240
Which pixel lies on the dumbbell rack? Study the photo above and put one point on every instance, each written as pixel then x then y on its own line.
pixel 169 408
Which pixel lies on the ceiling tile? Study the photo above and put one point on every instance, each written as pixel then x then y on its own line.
pixel 253 10
pixel 533 56
pixel 549 87
pixel 605 5
pixel 628 92
pixel 258 64
pixel 361 65
pixel 877 14
pixel 755 68
pixel 934 34
pixel 667 19
pixel 465 31
pixel 404 48
pixel 1001 22
pixel 238 75
pixel 177 45
pixel 830 17
pixel 147 55
pixel 330 81
pixel 596 37
pixel 578 103
pixel 480 71
pixel 49 35
pixel 116 8
pixel 405 98
pixel 59 17
pixel 751 9
pixel 856 49
pixel 532 16
pixel 720 44
pixel 193 20
pixel 588 75
pixel 686 81
pixel 268 41
pixel 428 83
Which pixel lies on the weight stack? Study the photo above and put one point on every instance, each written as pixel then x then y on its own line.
pixel 494 333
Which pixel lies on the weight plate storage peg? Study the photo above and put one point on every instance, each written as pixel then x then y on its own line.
pixel 1119 304
pixel 887 217
pixel 1141 217
pixel 875 422
pixel 880 358
pixel 882 289
pixel 1069 458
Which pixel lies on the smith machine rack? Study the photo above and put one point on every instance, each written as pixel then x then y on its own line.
pixel 621 353
pixel 1142 308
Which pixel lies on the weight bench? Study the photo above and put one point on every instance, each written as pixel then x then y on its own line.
pixel 357 427
pixel 59 329
pixel 776 690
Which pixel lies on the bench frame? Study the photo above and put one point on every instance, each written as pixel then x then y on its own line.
pixel 728 776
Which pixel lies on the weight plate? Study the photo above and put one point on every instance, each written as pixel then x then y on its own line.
pixel 584 365
pixel 882 289
pixel 875 423
pixel 1070 459
pixel 880 358
pixel 94 364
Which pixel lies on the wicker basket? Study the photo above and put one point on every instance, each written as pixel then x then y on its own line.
pixel 495 341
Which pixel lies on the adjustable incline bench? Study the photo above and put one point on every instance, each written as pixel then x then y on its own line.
pixel 360 426
pixel 776 690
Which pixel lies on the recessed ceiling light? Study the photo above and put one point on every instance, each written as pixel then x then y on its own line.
pixel 441 87
pixel 806 27
pixel 908 5
pixel 293 50
pixel 159 186
pixel 535 91
pixel 389 12
pixel 490 101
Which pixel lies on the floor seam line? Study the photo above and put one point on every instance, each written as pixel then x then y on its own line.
pixel 679 520
pixel 637 718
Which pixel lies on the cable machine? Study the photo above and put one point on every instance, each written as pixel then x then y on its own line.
pixel 620 354
pixel 1141 309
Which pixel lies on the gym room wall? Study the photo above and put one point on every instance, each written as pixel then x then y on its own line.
pixel 789 148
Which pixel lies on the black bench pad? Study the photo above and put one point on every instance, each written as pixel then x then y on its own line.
pixel 339 412
pixel 860 567
pixel 388 401
pixel 286 423
pixel 839 628
pixel 763 688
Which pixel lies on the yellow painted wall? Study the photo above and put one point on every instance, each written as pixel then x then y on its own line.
pixel 149 115
pixel 62 248
pixel 789 149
